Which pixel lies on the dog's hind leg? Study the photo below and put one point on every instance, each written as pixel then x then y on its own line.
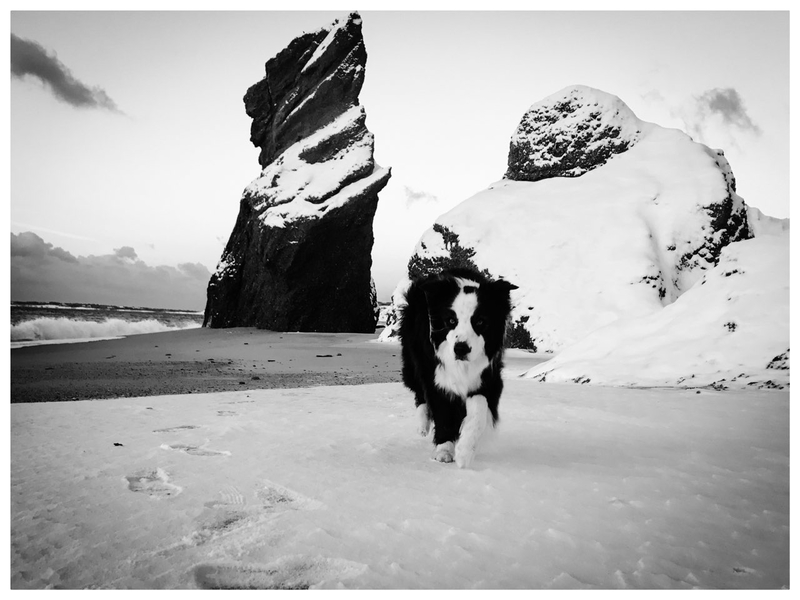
pixel 472 429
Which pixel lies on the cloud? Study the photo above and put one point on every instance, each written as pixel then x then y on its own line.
pixel 717 116
pixel 414 196
pixel 126 252
pixel 43 272
pixel 29 244
pixel 653 97
pixel 29 58
pixel 74 236
pixel 195 271
pixel 403 215
pixel 728 104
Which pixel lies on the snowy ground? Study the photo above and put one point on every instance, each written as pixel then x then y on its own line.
pixel 581 487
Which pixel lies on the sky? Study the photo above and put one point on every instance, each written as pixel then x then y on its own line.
pixel 130 145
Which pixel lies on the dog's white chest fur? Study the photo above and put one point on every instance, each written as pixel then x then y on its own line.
pixel 461 377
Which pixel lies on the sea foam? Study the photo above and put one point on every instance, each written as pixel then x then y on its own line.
pixel 48 329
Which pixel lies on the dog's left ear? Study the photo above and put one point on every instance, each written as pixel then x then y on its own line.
pixel 503 286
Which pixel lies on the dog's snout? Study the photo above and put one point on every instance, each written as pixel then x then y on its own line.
pixel 461 349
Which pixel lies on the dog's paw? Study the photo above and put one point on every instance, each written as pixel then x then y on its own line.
pixel 423 420
pixel 444 453
pixel 472 428
pixel 465 453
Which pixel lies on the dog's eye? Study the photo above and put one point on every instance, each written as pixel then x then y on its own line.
pixel 478 323
pixel 451 321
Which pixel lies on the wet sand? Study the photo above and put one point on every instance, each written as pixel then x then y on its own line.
pixel 198 361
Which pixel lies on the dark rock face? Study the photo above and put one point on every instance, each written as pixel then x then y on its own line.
pixel 299 256
pixel 728 217
pixel 569 134
pixel 309 83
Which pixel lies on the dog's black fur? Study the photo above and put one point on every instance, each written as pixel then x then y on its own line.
pixel 424 326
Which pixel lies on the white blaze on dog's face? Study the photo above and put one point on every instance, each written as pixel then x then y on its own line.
pixel 459 348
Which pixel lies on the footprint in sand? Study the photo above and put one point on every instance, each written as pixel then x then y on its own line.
pixel 231 511
pixel 215 523
pixel 195 450
pixel 222 516
pixel 178 428
pixel 153 482
pixel 218 519
pixel 287 573
pixel 229 497
pixel 276 497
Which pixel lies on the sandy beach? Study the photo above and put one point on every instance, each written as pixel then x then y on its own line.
pixel 198 361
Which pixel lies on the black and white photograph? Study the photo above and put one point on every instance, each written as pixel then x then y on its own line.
pixel 420 296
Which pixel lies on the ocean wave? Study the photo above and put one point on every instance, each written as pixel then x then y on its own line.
pixel 62 328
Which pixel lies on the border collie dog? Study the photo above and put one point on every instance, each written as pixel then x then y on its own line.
pixel 452 330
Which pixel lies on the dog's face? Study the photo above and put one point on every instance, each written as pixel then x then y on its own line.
pixel 467 325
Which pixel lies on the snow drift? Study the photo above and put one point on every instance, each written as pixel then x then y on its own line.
pixel 729 329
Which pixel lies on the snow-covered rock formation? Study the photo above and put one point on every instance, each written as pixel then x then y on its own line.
pixel 633 254
pixel 600 216
pixel 299 256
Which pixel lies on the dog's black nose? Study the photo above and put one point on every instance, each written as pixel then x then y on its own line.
pixel 461 349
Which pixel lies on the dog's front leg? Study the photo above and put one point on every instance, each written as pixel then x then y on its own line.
pixel 471 430
pixel 423 420
pixel 444 452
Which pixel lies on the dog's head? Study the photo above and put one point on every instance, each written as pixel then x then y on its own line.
pixel 468 315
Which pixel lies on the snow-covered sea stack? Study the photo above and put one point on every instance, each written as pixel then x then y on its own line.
pixel 600 217
pixel 569 134
pixel 299 256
